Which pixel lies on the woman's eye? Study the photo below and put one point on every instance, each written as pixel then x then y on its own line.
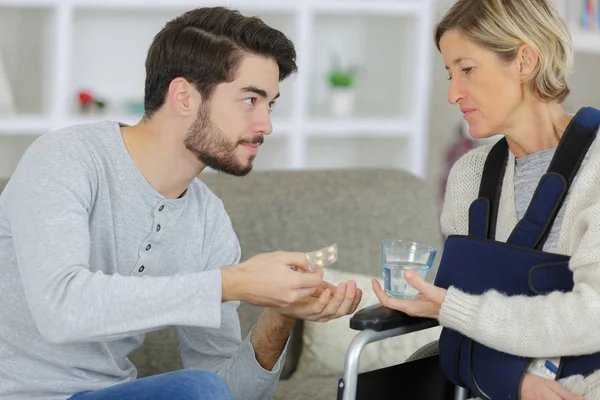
pixel 465 70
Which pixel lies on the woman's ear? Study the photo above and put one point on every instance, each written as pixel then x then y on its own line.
pixel 527 60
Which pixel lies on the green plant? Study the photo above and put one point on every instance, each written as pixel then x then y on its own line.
pixel 342 78
pixel 339 76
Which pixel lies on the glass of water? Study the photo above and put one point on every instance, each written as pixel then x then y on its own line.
pixel 398 256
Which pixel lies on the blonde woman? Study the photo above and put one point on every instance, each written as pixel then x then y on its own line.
pixel 518 289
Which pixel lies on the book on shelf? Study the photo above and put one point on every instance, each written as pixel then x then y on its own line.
pixel 584 15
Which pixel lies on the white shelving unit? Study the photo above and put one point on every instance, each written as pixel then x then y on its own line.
pixel 54 48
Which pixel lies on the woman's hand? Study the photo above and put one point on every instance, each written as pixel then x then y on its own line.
pixel 427 303
pixel 535 387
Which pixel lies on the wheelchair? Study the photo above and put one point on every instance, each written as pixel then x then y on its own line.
pixel 419 378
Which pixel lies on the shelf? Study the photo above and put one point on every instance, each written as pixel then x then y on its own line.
pixel 23 125
pixel 370 127
pixel 403 7
pixel 132 5
pixel 40 124
pixel 280 126
pixel 317 128
pixel 586 42
pixel 357 152
pixel 373 7
pixel 28 3
pixel 85 119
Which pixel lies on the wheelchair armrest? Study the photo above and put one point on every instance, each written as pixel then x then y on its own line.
pixel 380 318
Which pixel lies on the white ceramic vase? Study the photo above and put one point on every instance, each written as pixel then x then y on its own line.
pixel 341 101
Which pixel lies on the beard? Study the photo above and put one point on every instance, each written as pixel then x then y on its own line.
pixel 207 142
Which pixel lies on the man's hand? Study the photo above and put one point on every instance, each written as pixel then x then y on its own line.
pixel 268 280
pixel 326 303
pixel 275 324
pixel 535 387
pixel 427 303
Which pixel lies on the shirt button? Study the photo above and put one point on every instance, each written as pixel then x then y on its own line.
pixel 157 228
pixel 161 208
pixel 148 247
pixel 141 269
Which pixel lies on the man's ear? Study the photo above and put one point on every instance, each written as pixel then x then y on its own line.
pixel 527 61
pixel 182 96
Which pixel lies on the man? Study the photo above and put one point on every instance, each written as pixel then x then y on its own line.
pixel 106 234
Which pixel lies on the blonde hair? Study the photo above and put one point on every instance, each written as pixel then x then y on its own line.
pixel 502 26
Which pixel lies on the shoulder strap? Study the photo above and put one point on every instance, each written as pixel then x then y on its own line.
pixel 569 155
pixel 533 230
pixel 489 191
pixel 491 182
pixel 573 147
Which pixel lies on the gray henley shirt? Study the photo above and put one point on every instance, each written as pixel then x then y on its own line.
pixel 92 258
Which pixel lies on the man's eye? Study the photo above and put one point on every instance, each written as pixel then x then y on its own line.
pixel 250 101
pixel 271 105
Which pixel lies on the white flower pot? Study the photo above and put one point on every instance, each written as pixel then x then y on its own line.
pixel 341 101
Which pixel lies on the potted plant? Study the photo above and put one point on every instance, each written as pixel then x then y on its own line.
pixel 342 82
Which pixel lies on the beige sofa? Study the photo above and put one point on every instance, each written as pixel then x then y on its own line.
pixel 304 211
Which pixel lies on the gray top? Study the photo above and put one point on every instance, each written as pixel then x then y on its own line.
pixel 529 170
pixel 92 258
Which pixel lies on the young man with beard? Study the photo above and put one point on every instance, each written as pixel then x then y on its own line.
pixel 106 234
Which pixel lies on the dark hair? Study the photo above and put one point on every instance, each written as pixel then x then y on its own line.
pixel 205 46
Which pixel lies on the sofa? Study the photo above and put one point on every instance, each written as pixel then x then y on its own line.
pixel 304 211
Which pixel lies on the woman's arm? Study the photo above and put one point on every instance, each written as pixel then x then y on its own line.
pixel 553 325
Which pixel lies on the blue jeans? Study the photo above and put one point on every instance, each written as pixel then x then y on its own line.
pixel 186 384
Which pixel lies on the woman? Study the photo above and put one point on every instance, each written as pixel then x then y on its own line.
pixel 507 62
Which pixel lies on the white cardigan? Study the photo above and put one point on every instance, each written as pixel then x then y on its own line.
pixel 553 325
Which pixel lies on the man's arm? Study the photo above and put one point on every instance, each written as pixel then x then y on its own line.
pixel 270 336
pixel 47 203
pixel 250 366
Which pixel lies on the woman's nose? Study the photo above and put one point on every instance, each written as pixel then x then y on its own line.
pixel 455 91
